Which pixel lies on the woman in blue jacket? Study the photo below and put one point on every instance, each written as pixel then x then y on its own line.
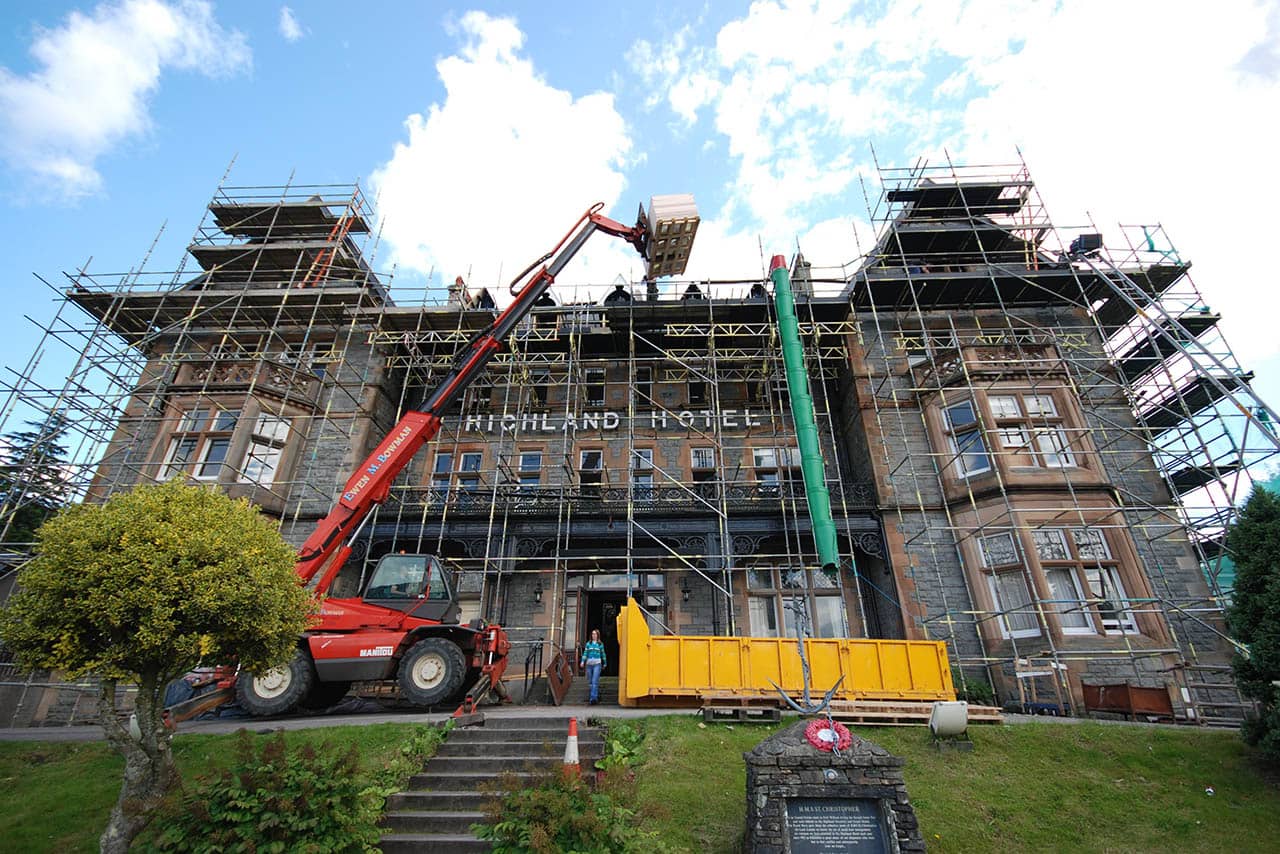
pixel 593 660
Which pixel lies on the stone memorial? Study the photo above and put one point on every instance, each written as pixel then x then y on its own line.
pixel 804 798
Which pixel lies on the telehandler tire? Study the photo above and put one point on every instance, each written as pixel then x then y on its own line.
pixel 431 671
pixel 278 691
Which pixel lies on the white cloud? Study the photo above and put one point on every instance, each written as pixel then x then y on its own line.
pixel 724 253
pixel 491 178
pixel 94 77
pixel 290 29
pixel 1137 111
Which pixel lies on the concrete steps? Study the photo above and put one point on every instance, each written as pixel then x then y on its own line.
pixel 580 691
pixel 437 809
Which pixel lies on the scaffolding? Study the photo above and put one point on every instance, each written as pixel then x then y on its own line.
pixel 1057 419
pixel 628 443
pixel 623 439
pixel 621 446
pixel 220 370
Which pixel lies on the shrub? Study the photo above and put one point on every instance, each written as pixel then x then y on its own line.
pixel 140 589
pixel 562 813
pixel 308 800
pixel 622 746
pixel 977 693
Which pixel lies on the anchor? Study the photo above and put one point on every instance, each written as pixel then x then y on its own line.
pixel 809 707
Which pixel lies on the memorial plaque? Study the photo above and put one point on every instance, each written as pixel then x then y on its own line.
pixel 830 825
pixel 803 800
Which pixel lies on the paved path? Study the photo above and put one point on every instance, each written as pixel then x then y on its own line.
pixel 264 725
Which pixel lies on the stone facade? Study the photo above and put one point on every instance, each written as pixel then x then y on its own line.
pixel 645 385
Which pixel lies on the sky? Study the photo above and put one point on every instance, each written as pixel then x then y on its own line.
pixel 483 131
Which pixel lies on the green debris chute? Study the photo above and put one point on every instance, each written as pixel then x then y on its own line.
pixel 815 478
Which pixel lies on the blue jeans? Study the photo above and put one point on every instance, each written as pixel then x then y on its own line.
pixel 593 679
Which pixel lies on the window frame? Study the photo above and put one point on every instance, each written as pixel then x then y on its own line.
pixel 242 442
pixel 594 386
pixel 705 476
pixel 641 470
pixel 540 388
pixel 529 476
pixel 1080 564
pixel 470 468
pixel 1068 565
pixel 201 427
pixel 967 432
pixel 275 445
pixel 778 592
pixel 440 485
pixel 643 387
pixel 995 572
pixel 1044 441
pixel 590 477
pixel 480 398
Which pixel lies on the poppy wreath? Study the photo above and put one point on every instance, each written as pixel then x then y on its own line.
pixel 813 733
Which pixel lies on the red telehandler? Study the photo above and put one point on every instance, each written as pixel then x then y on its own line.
pixel 406 624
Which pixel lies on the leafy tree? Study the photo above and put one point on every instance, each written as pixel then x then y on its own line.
pixel 1254 542
pixel 141 589
pixel 33 477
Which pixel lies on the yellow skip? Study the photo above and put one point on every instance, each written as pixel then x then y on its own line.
pixel 676 667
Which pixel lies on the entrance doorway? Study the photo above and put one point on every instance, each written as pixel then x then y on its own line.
pixel 599 609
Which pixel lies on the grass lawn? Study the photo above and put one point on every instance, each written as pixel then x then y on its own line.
pixel 56 796
pixel 1032 787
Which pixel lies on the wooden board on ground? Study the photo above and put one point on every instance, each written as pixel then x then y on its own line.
pixel 901 713
pixel 740 708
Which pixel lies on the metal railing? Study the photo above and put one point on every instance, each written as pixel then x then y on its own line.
pixel 532 668
pixel 590 500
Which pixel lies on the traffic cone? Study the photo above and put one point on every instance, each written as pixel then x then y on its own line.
pixel 571 765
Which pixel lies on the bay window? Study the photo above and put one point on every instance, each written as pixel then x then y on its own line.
pixel 1061 571
pixel 1072 555
pixel 233 445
